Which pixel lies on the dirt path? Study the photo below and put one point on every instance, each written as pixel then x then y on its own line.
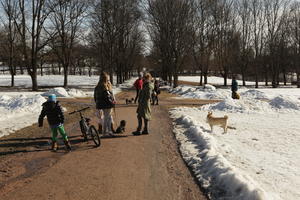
pixel 127 167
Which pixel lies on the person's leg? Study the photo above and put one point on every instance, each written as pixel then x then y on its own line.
pixel 146 126
pixel 99 115
pixel 62 132
pixel 54 139
pixel 139 128
pixel 137 95
pixel 107 127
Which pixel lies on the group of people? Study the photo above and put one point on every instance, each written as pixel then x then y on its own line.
pixel 138 84
pixel 105 102
pixel 147 91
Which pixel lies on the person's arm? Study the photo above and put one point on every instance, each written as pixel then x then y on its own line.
pixel 41 117
pixel 60 113
pixel 148 92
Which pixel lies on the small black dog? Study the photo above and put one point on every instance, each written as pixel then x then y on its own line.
pixel 129 101
pixel 121 128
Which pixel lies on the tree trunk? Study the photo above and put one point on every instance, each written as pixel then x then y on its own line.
pixel 225 78
pixel 201 78
pixel 298 80
pixel 175 81
pixel 256 77
pixel 65 78
pixel 170 79
pixel 34 81
pixel 12 80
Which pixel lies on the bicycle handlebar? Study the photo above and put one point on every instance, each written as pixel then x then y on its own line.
pixel 79 110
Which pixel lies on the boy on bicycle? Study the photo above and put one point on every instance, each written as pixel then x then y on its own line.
pixel 55 117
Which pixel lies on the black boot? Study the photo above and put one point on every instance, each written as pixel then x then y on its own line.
pixel 145 131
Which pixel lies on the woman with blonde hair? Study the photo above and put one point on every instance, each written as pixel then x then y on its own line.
pixel 105 102
pixel 144 110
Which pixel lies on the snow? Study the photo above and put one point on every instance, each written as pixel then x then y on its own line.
pixel 214 80
pixel 62 92
pixel 200 92
pixel 259 158
pixel 18 112
pixel 50 80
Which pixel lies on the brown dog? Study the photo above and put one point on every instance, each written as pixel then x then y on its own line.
pixel 220 121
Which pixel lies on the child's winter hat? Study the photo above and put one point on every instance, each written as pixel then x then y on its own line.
pixel 52 97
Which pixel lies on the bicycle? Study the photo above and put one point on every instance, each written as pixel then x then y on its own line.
pixel 86 128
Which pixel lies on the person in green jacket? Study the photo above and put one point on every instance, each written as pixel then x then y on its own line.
pixel 144 109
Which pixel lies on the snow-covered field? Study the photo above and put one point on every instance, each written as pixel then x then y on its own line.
pixel 21 110
pixel 214 80
pixel 52 80
pixel 259 159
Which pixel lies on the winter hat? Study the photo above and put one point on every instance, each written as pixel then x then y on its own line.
pixel 52 97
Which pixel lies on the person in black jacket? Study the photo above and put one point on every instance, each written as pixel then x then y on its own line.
pixel 55 117
pixel 105 102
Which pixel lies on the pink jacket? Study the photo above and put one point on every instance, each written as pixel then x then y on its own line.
pixel 138 84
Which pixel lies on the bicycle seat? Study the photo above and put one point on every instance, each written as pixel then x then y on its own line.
pixel 87 119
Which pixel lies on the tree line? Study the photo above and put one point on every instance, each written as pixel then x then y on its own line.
pixel 257 39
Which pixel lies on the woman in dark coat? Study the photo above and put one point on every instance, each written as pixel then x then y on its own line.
pixel 105 102
pixel 144 109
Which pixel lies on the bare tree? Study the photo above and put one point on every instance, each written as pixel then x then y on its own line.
pixel 117 36
pixel 202 49
pixel 30 26
pixel 295 37
pixel 275 16
pixel 171 28
pixel 245 31
pixel 10 12
pixel 66 18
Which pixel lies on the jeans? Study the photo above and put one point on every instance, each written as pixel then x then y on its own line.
pixel 107 121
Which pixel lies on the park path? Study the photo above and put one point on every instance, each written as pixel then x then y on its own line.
pixel 124 167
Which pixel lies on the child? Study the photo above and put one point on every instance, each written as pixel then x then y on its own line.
pixel 55 117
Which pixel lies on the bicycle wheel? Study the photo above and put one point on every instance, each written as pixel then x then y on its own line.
pixel 94 135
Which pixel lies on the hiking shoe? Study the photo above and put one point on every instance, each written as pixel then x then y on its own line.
pixel 136 133
pixel 54 146
pixel 68 145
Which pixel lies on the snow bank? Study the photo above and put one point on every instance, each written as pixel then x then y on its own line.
pixel 255 94
pixel 62 92
pixel 18 112
pixel 248 105
pixel 218 176
pixel 285 103
pixel 242 106
pixel 206 92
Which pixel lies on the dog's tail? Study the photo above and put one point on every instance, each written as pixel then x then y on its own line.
pixel 231 127
pixel 225 116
